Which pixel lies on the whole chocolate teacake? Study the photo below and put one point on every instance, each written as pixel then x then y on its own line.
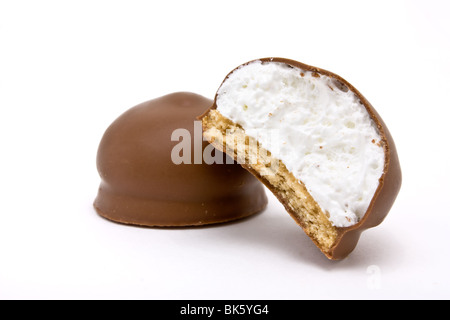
pixel 142 184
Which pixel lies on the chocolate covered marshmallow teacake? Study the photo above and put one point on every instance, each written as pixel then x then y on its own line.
pixel 143 184
pixel 314 141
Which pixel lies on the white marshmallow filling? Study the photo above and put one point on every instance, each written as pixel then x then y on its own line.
pixel 316 126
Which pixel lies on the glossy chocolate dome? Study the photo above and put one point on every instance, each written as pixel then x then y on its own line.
pixel 141 185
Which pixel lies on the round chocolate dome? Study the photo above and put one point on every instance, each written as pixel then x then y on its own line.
pixel 152 176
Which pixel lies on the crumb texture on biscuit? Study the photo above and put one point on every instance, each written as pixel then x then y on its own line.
pixel 319 130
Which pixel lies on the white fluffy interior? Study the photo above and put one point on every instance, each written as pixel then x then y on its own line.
pixel 319 130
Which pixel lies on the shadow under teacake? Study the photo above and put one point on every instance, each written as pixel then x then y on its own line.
pixel 273 229
pixel 277 233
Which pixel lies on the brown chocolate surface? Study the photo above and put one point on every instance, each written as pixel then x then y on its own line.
pixel 140 184
pixel 389 183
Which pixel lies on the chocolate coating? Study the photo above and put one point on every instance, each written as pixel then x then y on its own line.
pixel 142 186
pixel 389 182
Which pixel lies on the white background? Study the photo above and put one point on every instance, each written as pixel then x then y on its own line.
pixel 69 68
